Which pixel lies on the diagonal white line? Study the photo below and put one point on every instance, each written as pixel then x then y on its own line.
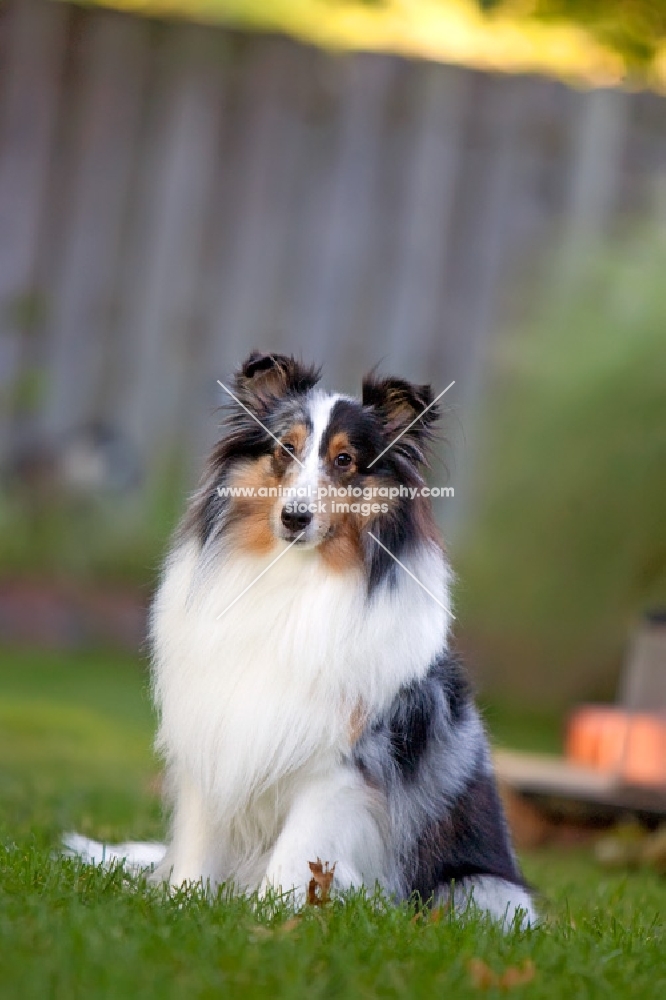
pixel 409 573
pixel 254 417
pixel 396 439
pixel 277 558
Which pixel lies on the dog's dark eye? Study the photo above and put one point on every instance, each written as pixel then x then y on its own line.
pixel 288 447
pixel 343 460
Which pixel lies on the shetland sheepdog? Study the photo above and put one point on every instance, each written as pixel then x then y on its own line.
pixel 309 704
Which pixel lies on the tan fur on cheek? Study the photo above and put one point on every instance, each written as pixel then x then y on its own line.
pixel 251 516
pixel 254 533
pixel 343 550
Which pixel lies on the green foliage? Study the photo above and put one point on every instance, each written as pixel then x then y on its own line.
pixel 635 30
pixel 120 538
pixel 568 545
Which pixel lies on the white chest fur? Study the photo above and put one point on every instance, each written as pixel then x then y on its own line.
pixel 250 695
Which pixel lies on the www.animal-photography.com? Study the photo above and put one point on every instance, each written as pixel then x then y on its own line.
pixel 332 478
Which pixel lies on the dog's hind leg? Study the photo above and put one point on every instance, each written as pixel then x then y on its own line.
pixel 509 904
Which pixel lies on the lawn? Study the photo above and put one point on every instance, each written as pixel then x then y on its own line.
pixel 75 752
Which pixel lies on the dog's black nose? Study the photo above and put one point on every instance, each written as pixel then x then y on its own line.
pixel 295 520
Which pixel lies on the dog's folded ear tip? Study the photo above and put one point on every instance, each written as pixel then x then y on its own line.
pixel 275 373
pixel 258 361
pixel 391 391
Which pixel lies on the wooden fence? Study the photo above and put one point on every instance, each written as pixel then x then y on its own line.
pixel 172 195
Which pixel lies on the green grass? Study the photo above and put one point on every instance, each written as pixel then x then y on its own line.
pixel 75 735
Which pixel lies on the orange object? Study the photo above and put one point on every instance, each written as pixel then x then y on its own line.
pixel 631 745
pixel 645 752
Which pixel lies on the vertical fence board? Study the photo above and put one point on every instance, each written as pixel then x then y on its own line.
pixel 173 195
pixel 427 206
pixel 599 130
pixel 341 221
pixel 264 156
pixel 110 95
pixel 29 97
pixel 485 252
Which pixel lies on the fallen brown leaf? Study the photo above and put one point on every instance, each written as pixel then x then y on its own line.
pixel 438 912
pixel 517 975
pixel 482 975
pixel 484 978
pixel 319 889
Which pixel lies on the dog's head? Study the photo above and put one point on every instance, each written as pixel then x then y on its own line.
pixel 317 469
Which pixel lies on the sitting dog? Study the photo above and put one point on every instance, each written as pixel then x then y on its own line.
pixel 309 705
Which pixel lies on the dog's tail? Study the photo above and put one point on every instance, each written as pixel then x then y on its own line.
pixel 136 856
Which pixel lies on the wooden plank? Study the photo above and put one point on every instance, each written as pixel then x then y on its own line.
pixel 338 232
pixel 29 98
pixel 110 96
pixel 495 204
pixel 526 770
pixel 291 162
pixel 262 159
pixel 427 204
pixel 166 238
pixel 598 135
pixel 321 118
pixel 554 779
pixel 266 154
pixel 532 225
pixel 384 244
pixel 470 301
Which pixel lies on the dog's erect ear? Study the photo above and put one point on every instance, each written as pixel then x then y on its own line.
pixel 398 403
pixel 264 378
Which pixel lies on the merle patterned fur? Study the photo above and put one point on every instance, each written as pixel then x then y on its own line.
pixel 429 757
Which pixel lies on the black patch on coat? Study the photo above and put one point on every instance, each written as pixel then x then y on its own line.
pixel 405 755
pixel 471 839
pixel 398 532
pixel 414 711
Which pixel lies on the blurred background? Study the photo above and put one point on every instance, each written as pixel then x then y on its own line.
pixel 453 190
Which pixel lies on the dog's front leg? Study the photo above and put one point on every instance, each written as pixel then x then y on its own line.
pixel 191 855
pixel 337 819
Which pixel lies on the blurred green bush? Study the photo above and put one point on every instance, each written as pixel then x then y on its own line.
pixel 119 539
pixel 567 544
